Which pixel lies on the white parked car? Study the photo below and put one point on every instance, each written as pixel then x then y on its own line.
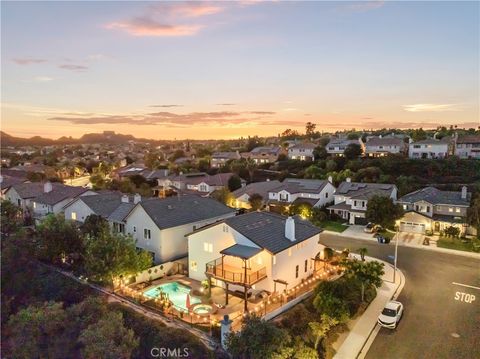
pixel 391 314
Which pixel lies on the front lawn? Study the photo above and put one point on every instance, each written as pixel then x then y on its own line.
pixel 457 244
pixel 333 226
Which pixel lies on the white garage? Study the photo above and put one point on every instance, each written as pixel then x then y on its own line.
pixel 412 227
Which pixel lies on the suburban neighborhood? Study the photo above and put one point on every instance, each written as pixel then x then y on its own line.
pixel 240 180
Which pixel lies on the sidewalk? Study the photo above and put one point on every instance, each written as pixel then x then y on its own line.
pixel 361 336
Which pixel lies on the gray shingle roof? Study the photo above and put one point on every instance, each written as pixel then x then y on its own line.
pixel 267 230
pixel 262 188
pixel 294 185
pixel 9 181
pixel 103 204
pixel 431 141
pixel 59 193
pixel 385 141
pixel 176 211
pixel 364 190
pixel 435 196
pixel 29 190
pixel 119 214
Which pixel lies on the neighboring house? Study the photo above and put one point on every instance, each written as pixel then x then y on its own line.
pixel 257 251
pixel 318 193
pixel 160 225
pixel 55 197
pixel 132 170
pixel 263 154
pixel 351 199
pixel 8 181
pixel 301 151
pixel 242 195
pixel 383 146
pixel 337 147
pixel 219 159
pixel 468 147
pixel 429 149
pixel 432 210
pixel 23 194
pixel 102 204
pixel 197 183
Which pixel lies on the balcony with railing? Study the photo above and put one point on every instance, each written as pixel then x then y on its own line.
pixel 220 269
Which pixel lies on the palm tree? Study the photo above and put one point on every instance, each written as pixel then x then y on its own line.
pixel 251 167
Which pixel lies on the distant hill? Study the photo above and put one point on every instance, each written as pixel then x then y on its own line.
pixel 105 137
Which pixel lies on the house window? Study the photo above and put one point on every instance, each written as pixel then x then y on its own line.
pixel 306 265
pixel 363 203
pixel 428 208
pixel 208 247
pixel 134 229
pixel 74 216
pixel 193 266
pixel 147 234
pixel 225 228
pixel 355 203
pixel 296 271
pixel 194 227
pixel 450 209
pixel 326 194
pixel 457 209
pixel 405 207
pixel 34 205
pixel 274 258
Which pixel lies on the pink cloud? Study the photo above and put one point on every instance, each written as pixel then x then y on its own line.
pixel 167 19
pixel 28 61
pixel 73 67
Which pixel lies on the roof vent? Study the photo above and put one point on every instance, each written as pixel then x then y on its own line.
pixel 170 206
pixel 124 198
pixel 464 192
pixel 349 179
pixel 137 198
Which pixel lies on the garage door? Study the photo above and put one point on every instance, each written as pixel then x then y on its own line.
pixel 360 220
pixel 412 227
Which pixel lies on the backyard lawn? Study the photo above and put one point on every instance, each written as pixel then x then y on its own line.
pixel 333 226
pixel 455 243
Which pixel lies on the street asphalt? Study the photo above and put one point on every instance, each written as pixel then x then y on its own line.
pixel 439 321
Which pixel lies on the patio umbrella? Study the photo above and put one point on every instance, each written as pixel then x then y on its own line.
pixel 188 302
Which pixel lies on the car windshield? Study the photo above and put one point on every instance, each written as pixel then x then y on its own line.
pixel 389 312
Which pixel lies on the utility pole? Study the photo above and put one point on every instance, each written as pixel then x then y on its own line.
pixel 396 252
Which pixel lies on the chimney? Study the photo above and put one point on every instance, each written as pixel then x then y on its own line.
pixel 380 136
pixel 124 198
pixel 464 192
pixel 268 179
pixel 349 179
pixel 330 179
pixel 290 229
pixel 47 187
pixel 137 198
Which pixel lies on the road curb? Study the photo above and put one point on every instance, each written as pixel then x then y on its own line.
pixel 376 328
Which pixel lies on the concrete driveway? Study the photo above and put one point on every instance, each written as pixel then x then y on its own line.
pixel 356 231
pixel 413 239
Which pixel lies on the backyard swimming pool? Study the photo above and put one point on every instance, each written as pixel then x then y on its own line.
pixel 177 293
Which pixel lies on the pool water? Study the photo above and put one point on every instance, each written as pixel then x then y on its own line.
pixel 177 293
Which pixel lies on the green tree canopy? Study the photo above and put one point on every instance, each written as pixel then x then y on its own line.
pixel 256 201
pixel 93 225
pixel 58 238
pixel 353 151
pixel 11 218
pixel 381 210
pixel 108 338
pixel 367 273
pixel 234 183
pixel 257 339
pixel 111 255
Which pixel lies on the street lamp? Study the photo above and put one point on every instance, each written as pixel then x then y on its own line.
pixel 396 252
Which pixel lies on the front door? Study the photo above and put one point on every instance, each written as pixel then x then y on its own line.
pixel 437 227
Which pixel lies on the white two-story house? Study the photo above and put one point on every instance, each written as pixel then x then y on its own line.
pixel 382 146
pixel 159 225
pixel 301 152
pixel 242 195
pixel 318 193
pixel 220 159
pixel 432 210
pixel 429 149
pixel 257 251
pixel 351 199
pixel 196 183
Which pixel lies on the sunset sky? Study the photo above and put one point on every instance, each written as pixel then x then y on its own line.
pixel 224 70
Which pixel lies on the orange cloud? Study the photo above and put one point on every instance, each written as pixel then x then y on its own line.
pixel 150 27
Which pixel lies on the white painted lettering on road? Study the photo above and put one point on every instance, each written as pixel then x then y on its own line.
pixel 465 297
